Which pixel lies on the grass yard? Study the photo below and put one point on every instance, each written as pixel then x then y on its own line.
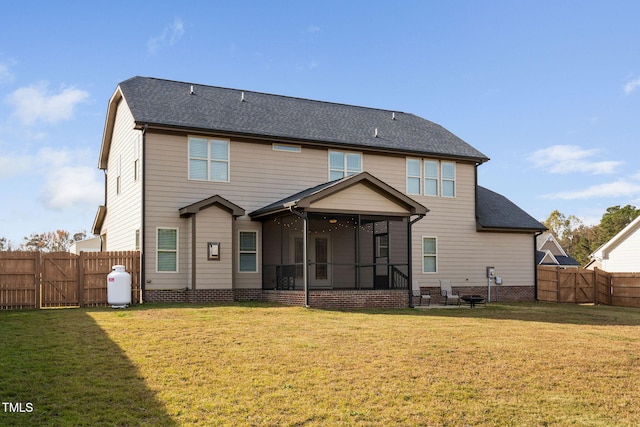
pixel 264 365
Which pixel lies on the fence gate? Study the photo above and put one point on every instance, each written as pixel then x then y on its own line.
pixel 59 286
pixel 62 279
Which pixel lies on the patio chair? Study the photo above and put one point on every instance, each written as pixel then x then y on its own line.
pixel 423 294
pixel 448 293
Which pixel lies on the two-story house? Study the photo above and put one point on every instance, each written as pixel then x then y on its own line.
pixel 238 195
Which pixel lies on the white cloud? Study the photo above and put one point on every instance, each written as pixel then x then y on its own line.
pixel 563 159
pixel 6 76
pixel 36 103
pixel 632 85
pixel 12 165
pixel 617 189
pixel 68 186
pixel 171 34
pixel 64 179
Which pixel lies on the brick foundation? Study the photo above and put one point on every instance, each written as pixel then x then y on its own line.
pixel 498 293
pixel 189 295
pixel 342 299
pixel 335 299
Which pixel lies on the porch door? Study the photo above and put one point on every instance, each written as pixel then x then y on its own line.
pixel 320 259
pixel 381 247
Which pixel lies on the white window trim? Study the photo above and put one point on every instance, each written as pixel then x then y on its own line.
pixel 443 179
pixel 344 170
pixel 286 148
pixel 439 178
pixel 422 255
pixel 257 270
pixel 177 250
pixel 419 177
pixel 228 161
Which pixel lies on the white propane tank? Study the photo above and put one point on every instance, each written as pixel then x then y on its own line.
pixel 118 287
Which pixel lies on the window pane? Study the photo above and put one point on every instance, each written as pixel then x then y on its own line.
pixel 431 187
pixel 167 261
pixel 429 264
pixel 333 175
pixel 219 149
pixel 336 160
pixel 198 148
pixel 430 169
pixel 428 246
pixel 219 171
pixel 354 162
pixel 248 262
pixel 197 169
pixel 167 239
pixel 448 188
pixel 247 241
pixel 413 167
pixel 448 170
pixel 413 185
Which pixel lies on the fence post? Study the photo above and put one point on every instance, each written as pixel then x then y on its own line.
pixel 37 279
pixel 80 277
pixel 595 286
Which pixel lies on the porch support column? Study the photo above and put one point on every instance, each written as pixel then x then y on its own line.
pixel 409 267
pixel 305 252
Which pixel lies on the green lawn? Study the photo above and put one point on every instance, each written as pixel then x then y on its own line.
pixel 264 365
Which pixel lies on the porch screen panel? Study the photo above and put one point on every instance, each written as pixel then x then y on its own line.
pixel 321 258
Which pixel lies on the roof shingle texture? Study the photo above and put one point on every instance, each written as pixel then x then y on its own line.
pixel 169 103
pixel 494 211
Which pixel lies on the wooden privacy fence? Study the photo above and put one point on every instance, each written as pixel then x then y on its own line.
pixel 596 286
pixel 61 279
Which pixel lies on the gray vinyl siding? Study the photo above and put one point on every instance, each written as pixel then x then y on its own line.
pixel 124 213
pixel 259 176
pixel 214 224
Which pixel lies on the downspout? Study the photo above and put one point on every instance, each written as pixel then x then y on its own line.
pixel 305 265
pixel 410 259
pixel 143 213
pixel 535 265
pixel 104 171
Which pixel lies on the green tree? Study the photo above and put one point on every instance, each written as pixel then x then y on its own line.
pixel 614 220
pixel 562 227
pixel 52 241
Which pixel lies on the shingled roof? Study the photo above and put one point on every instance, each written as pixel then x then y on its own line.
pixel 171 104
pixel 494 212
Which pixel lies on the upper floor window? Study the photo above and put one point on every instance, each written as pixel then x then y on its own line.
pixel 344 164
pixel 431 177
pixel 209 159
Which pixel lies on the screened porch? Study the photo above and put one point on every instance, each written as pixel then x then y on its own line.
pixel 343 252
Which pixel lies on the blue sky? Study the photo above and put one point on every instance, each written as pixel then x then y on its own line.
pixel 549 90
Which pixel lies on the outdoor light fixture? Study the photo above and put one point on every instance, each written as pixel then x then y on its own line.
pixel 333 221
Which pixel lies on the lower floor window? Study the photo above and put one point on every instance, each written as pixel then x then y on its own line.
pixel 248 251
pixel 429 255
pixel 167 250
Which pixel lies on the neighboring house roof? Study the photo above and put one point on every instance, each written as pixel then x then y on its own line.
pixel 495 212
pixel 304 199
pixel 177 105
pixel 549 252
pixel 603 251
pixel 548 258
